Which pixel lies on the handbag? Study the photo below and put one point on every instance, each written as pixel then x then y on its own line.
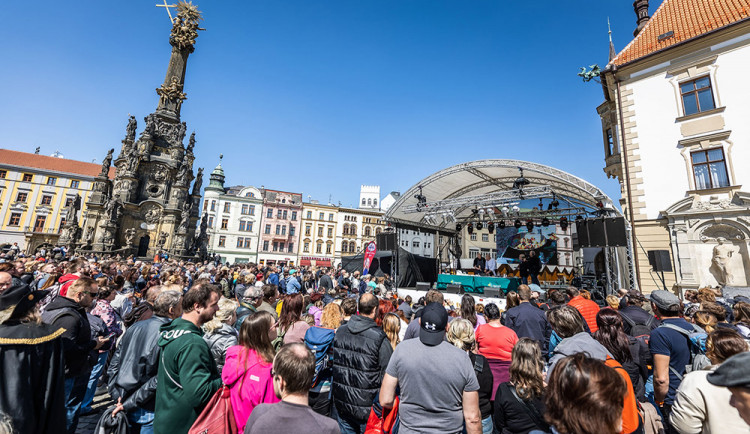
pixel 217 417
pixel 382 420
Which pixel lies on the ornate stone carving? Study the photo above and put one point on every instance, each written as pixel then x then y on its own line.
pixel 162 239
pixel 182 171
pixel 88 238
pixel 152 214
pixel 184 218
pixel 185 26
pixel 112 209
pixel 722 254
pixel 107 162
pixel 130 237
pixel 171 95
pixel 71 212
pixel 130 129
pixel 191 143
pixel 712 204
pixel 159 174
pixel 198 182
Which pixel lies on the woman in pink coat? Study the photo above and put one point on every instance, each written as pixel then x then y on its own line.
pixel 248 367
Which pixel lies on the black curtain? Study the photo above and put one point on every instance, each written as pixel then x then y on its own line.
pixel 412 268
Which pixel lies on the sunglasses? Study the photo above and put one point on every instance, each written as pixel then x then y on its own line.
pixel 93 294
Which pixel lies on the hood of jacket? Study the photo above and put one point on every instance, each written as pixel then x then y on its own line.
pixel 64 302
pixel 358 324
pixel 224 330
pixel 581 343
pixel 239 361
pixel 176 329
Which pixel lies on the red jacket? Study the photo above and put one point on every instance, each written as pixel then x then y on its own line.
pixel 588 310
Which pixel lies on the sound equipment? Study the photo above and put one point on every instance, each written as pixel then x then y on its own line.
pixel 423 286
pixel 453 288
pixel 386 241
pixel 490 291
pixel 600 232
pixel 659 260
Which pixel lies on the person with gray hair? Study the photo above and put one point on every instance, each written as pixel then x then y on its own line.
pixel 132 370
pixel 250 300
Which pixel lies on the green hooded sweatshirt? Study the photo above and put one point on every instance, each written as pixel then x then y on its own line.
pixel 187 377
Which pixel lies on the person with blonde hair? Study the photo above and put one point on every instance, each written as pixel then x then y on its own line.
pixel 613 302
pixel 461 335
pixel 392 327
pixel 519 403
pixel 220 333
pixel 332 316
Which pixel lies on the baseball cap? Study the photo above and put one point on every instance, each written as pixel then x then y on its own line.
pixel 665 300
pixel 734 372
pixel 432 324
pixel 636 295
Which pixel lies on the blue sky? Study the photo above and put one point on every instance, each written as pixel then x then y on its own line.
pixel 319 97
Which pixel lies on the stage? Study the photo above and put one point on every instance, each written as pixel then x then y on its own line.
pixel 453 299
pixel 475 284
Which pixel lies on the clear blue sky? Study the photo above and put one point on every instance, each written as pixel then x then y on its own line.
pixel 320 96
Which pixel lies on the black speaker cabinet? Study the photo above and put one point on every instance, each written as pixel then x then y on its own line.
pixel 386 241
pixel 490 291
pixel 615 227
pixel 423 286
pixel 453 288
pixel 582 230
pixel 659 260
pixel 596 233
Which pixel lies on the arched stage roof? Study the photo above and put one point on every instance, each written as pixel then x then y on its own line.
pixel 458 191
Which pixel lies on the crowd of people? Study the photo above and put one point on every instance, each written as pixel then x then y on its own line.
pixel 326 351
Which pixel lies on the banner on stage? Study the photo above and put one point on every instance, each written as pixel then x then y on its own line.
pixel 370 251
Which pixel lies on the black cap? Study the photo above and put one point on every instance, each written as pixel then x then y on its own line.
pixel 734 372
pixel 432 324
pixel 17 300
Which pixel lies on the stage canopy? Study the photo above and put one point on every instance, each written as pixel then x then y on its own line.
pixel 497 189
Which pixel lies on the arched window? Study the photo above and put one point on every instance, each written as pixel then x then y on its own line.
pixel 374 201
pixel 344 247
pixel 346 229
pixel 378 230
pixel 368 231
pixel 353 230
pixel 369 201
pixel 319 247
pixel 353 247
pixel 363 201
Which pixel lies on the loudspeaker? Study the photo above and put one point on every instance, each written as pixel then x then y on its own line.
pixel 453 288
pixel 386 241
pixel 423 286
pixel 582 230
pixel 596 233
pixel 490 291
pixel 616 235
pixel 659 260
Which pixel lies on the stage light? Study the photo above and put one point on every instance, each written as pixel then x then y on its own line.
pixel 600 204
pixel 470 228
pixel 545 222
pixel 491 227
pixel 479 226
pixel 520 182
pixel 458 227
pixel 579 218
pixel 529 225
pixel 501 224
pixel 516 209
pixel 564 224
pixel 554 202
pixel 517 224
pixel 541 204
pixel 505 210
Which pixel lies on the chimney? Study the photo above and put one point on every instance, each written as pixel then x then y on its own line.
pixel 641 14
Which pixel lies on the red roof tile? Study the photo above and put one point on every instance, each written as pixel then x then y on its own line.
pixel 25 159
pixel 688 19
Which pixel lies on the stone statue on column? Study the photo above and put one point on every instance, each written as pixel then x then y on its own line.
pixel 130 130
pixel 198 182
pixel 107 162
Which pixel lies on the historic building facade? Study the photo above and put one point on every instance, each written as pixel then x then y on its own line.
pixel 675 130
pixel 356 228
pixel 280 227
pixel 149 206
pixel 233 219
pixel 318 238
pixel 40 195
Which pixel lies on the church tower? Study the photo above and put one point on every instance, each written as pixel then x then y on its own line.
pixel 149 206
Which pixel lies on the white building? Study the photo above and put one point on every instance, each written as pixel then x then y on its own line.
pixel 389 200
pixel 369 196
pixel 417 241
pixel 355 228
pixel 234 216
pixel 676 135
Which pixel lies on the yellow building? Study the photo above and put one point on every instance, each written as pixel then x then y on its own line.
pixel 318 234
pixel 34 191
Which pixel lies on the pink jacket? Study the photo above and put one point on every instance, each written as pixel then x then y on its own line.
pixel 250 380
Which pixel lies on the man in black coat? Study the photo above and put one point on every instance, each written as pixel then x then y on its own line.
pixel 32 391
pixel 68 311
pixel 361 352
pixel 133 369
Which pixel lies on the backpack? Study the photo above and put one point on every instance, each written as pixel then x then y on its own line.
pixel 641 332
pixel 319 340
pixel 282 285
pixel 279 341
pixel 697 346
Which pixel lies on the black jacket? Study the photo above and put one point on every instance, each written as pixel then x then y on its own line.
pixel 132 371
pixel 32 390
pixel 485 379
pixel 77 343
pixel 639 316
pixel 361 353
pixel 513 417
pixel 528 321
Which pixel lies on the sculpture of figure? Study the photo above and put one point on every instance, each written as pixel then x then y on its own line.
pixel 130 130
pixel 162 239
pixel 132 162
pixel 181 132
pixel 722 254
pixel 129 237
pixel 71 212
pixel 191 143
pixel 184 217
pixel 183 170
pixel 111 209
pixel 107 162
pixel 198 182
pixel 89 237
